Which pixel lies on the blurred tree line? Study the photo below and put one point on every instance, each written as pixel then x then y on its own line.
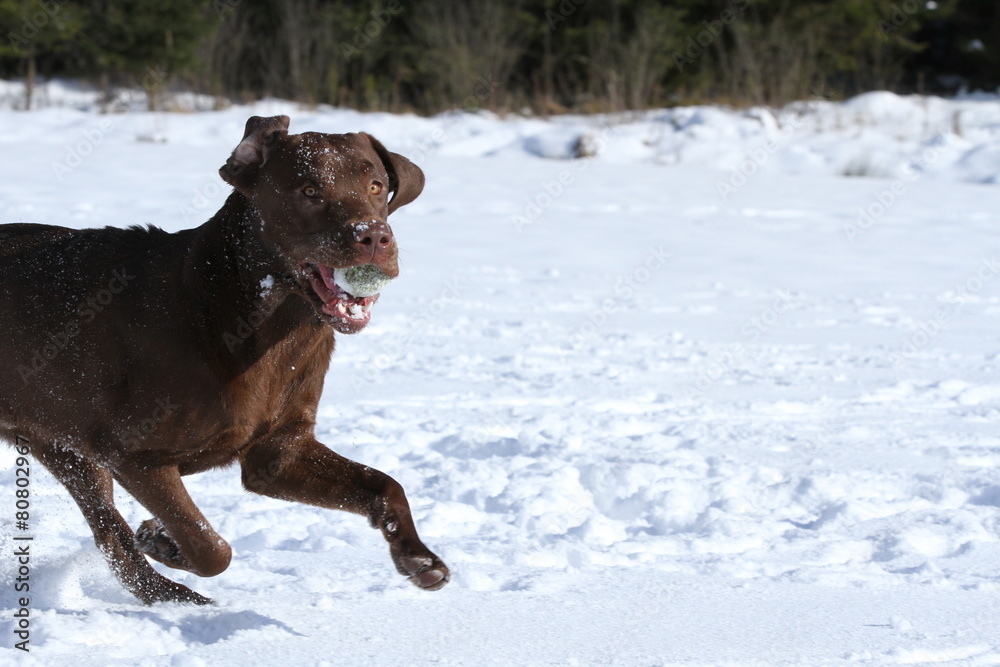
pixel 546 55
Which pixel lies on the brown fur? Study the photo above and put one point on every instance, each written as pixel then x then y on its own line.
pixel 142 356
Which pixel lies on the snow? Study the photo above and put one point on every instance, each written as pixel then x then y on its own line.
pixel 645 418
pixel 266 284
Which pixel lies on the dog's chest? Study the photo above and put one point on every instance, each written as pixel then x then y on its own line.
pixel 283 386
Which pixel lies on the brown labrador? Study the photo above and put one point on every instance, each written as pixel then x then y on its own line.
pixel 140 356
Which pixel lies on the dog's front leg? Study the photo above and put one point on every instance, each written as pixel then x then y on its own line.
pixel 180 535
pixel 300 469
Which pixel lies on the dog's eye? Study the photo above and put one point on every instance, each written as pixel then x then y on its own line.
pixel 375 188
pixel 310 191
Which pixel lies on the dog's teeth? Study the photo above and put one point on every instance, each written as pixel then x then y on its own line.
pixel 354 311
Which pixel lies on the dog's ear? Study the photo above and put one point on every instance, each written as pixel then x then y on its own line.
pixel 406 180
pixel 241 167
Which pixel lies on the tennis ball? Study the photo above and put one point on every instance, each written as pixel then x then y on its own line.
pixel 361 281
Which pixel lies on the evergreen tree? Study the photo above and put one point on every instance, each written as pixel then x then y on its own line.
pixel 141 42
pixel 549 55
pixel 33 30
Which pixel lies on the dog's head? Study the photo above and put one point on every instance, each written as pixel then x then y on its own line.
pixel 324 200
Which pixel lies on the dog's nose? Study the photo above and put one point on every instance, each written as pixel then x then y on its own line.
pixel 375 237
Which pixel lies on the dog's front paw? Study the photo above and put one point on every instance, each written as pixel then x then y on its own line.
pixel 423 571
pixel 152 539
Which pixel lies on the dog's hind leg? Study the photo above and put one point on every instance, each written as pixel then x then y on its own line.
pixel 92 488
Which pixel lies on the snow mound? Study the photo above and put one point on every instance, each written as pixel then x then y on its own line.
pixel 877 134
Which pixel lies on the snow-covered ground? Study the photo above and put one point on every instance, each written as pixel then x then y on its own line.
pixel 703 399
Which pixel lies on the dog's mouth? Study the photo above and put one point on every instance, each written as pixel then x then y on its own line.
pixel 345 312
